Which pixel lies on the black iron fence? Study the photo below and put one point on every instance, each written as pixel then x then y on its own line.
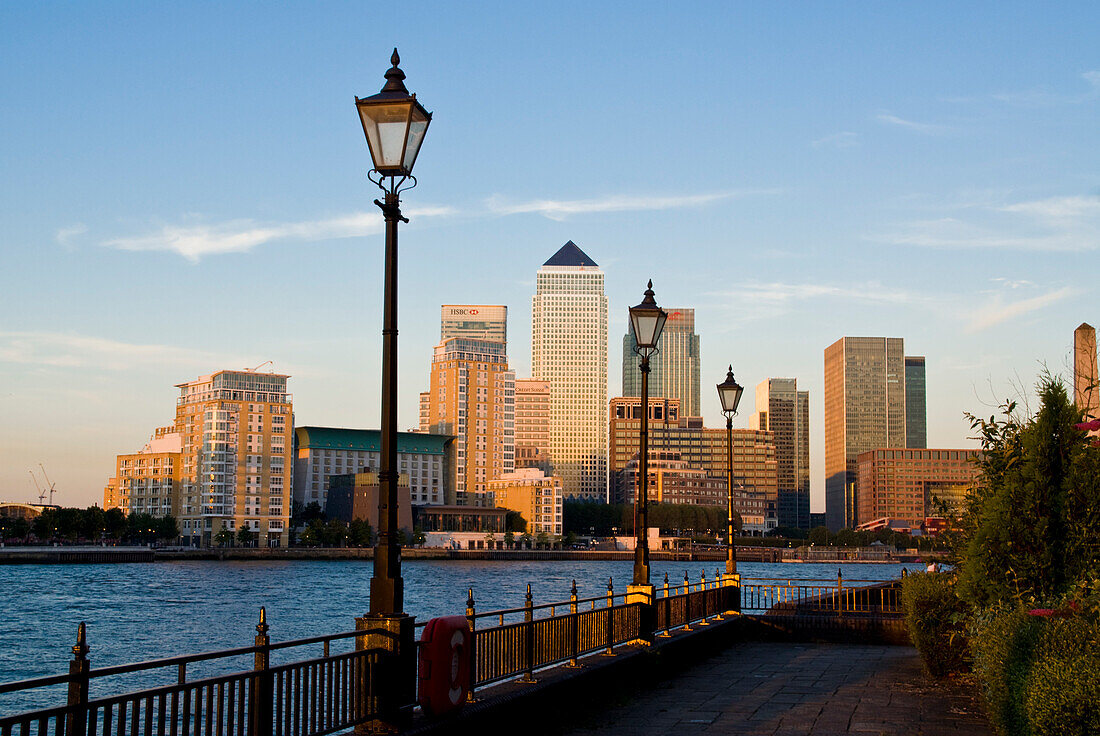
pixel 822 597
pixel 338 690
pixel 313 696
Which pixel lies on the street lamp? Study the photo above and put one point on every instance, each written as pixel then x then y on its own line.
pixel 729 393
pixel 394 123
pixel 646 322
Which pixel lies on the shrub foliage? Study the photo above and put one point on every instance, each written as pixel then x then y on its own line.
pixel 936 619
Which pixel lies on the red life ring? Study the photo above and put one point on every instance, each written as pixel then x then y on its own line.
pixel 444 669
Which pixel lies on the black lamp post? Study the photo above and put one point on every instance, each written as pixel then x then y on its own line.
pixel 646 322
pixel 394 123
pixel 729 393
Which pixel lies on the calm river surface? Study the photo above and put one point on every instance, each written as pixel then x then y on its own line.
pixel 144 611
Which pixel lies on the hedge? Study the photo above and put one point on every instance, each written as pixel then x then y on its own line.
pixel 936 619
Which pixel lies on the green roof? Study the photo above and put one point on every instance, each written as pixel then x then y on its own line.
pixel 370 440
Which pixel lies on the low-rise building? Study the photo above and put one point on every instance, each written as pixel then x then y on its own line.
pixel 148 481
pixel 354 496
pixel 535 495
pixel 904 484
pixel 320 452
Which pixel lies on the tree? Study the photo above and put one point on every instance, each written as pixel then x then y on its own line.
pixel 515 522
pixel 360 533
pixel 1030 532
pixel 224 537
pixel 509 539
pixel 542 539
pixel 570 539
pixel 245 536
pixel 418 536
pixel 167 529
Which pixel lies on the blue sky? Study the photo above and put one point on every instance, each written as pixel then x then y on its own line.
pixel 183 190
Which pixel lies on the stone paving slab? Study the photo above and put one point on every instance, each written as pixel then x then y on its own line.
pixel 785 689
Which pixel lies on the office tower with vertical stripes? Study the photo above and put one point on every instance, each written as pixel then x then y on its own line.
pixel 569 350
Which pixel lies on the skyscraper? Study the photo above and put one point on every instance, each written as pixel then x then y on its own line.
pixel 674 371
pixel 477 321
pixel 472 397
pixel 785 411
pixel 533 424
pixel 1086 393
pixel 569 349
pixel 916 411
pixel 864 410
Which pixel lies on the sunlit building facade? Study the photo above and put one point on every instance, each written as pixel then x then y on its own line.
pixel 569 350
pixel 864 410
pixel 535 495
pixel 472 397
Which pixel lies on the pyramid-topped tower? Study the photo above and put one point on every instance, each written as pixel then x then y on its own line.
pixel 569 350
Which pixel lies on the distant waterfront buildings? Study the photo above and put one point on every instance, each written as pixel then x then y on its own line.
pixel 785 411
pixel 569 350
pixel 674 371
pixel 221 465
pixel 354 496
pixel 472 397
pixel 535 495
pixel 1086 392
pixel 475 321
pixel 864 410
pixel 916 410
pixel 904 484
pixel 624 431
pixel 699 448
pixel 426 460
pixel 148 481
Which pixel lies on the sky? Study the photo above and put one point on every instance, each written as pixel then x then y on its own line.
pixel 184 190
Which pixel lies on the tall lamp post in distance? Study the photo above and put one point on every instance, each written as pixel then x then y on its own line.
pixel 729 393
pixel 646 322
pixel 394 123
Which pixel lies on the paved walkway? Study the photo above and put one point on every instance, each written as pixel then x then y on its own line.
pixel 783 689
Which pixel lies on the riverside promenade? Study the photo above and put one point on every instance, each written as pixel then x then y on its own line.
pixel 796 689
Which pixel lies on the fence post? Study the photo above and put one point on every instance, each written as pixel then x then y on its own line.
pixel 574 627
pixel 529 630
pixel 703 597
pixel 719 593
pixel 839 591
pixel 76 718
pixel 667 603
pixel 687 602
pixel 471 619
pixel 609 630
pixel 260 685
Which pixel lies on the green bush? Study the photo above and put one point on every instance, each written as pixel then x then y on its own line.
pixel 1062 697
pixel 936 619
pixel 1003 647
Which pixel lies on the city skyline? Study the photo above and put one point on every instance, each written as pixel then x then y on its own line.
pixel 168 221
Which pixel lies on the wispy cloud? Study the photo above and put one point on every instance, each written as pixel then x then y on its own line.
pixel 1048 98
pixel 61 350
pixel 1057 224
pixel 844 139
pixel 195 241
pixel 560 209
pixel 66 235
pixel 924 128
pixel 776 292
pixel 998 310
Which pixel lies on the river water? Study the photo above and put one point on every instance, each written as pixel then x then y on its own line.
pixel 143 611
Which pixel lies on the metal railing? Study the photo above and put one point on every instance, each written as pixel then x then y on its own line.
pixel 521 642
pixel 310 697
pixel 820 597
pixel 339 690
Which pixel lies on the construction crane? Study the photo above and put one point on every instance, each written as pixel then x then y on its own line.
pixel 253 370
pixel 48 483
pixel 41 493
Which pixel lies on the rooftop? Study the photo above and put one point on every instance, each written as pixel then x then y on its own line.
pixel 570 255
pixel 369 440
